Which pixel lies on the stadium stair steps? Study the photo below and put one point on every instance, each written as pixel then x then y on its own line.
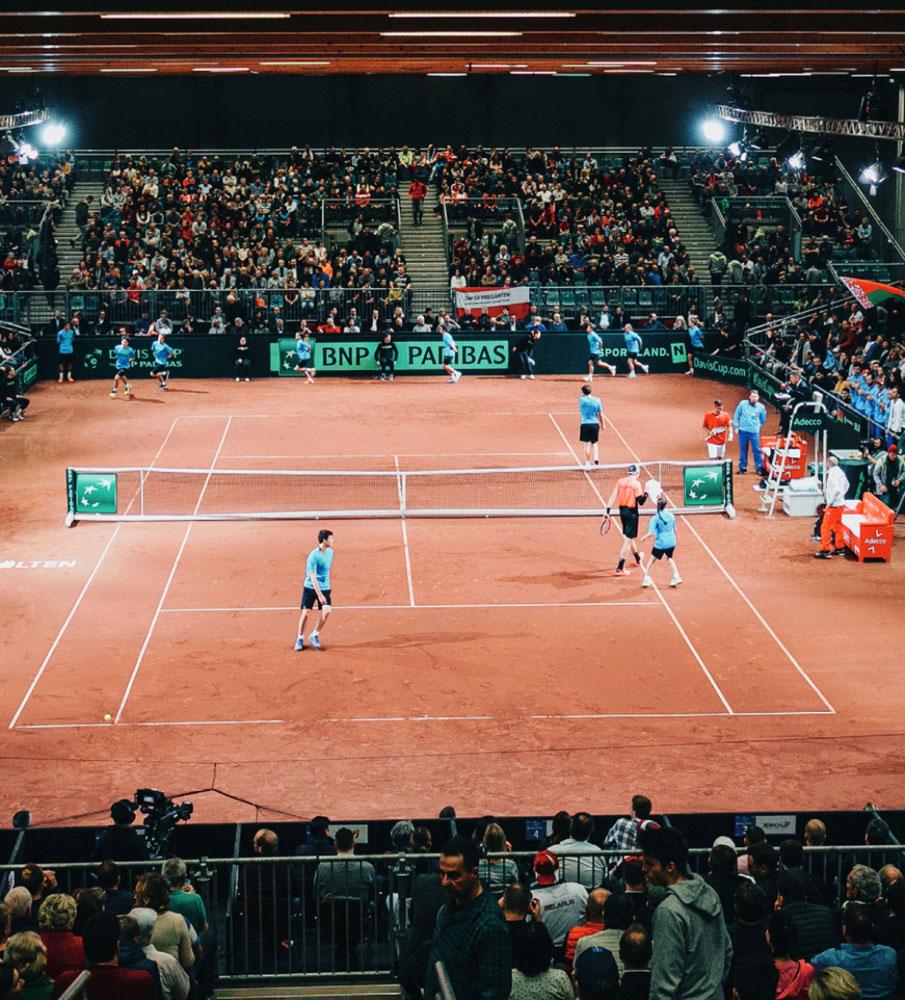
pixel 374 991
pixel 39 309
pixel 694 230
pixel 425 254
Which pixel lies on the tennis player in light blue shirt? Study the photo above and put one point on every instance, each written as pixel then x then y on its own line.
pixel 662 528
pixel 162 353
pixel 65 350
pixel 595 350
pixel 633 345
pixel 450 350
pixel 316 589
pixel 750 416
pixel 591 410
pixel 123 356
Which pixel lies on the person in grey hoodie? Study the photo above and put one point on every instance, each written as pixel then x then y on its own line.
pixel 692 949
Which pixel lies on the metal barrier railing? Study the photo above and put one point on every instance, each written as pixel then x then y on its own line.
pixel 301 917
pixel 77 988
pixel 885 246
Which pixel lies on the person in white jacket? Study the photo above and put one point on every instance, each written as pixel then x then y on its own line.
pixel 835 486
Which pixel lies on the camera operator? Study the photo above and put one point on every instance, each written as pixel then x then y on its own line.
pixel 873 450
pixel 888 475
pixel 121 842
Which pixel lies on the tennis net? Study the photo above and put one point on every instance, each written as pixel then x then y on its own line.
pixel 151 494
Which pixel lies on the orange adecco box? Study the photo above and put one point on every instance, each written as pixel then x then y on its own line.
pixel 796 454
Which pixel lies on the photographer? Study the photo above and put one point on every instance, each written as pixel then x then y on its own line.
pixel 120 842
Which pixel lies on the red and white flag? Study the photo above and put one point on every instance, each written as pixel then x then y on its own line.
pixel 516 298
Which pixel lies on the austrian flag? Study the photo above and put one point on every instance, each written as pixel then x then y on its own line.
pixel 869 293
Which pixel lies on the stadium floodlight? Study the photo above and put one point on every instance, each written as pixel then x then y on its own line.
pixel 714 131
pixel 52 134
pixel 898 164
pixel 738 150
pixel 873 174
pixel 797 160
pixel 27 153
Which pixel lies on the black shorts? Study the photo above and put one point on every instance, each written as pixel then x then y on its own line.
pixel 310 598
pixel 448 359
pixel 595 357
pixel 589 432
pixel 159 369
pixel 121 371
pixel 659 553
pixel 632 356
pixel 65 357
pixel 629 518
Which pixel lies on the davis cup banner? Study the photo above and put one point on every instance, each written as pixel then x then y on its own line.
pixel 494 300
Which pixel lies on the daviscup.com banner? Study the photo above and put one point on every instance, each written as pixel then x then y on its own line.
pixel 494 300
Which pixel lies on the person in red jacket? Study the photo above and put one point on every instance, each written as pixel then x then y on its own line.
pixel 108 981
pixel 417 192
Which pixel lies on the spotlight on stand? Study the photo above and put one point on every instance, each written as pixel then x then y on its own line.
pixel 898 164
pixel 52 134
pixel 787 147
pixel 874 173
pixel 738 149
pixel 797 160
pixel 760 140
pixel 714 130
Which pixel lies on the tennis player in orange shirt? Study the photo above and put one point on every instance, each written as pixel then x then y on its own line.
pixel 628 495
pixel 718 425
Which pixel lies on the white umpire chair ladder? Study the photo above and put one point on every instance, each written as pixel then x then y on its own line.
pixel 781 453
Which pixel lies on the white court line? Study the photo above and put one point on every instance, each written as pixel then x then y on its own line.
pixel 151 466
pixel 63 628
pixel 660 596
pixel 420 718
pixel 409 454
pixel 203 722
pixel 426 607
pixel 350 412
pixel 166 589
pixel 741 594
pixel 405 540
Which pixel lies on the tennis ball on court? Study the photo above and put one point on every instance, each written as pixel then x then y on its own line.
pixel 108 717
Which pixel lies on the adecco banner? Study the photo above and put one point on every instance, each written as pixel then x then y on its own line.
pixel 342 357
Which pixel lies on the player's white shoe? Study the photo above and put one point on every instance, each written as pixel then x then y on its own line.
pixel 457 376
pixel 647 582
pixel 644 368
pixel 612 369
pixel 587 378
pixel 632 375
pixel 675 581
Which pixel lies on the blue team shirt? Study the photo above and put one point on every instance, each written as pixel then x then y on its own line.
pixel 303 350
pixel 594 343
pixel 319 564
pixel 589 407
pixel 663 525
pixel 64 341
pixel 449 344
pixel 749 418
pixel 123 356
pixel 697 338
pixel 162 352
pixel 632 342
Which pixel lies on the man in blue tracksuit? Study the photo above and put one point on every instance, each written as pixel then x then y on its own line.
pixel 750 416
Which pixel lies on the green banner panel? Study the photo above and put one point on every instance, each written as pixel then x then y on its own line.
pixel 703 486
pixel 95 493
pixel 340 357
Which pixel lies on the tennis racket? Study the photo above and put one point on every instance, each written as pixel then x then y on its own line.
pixel 605 523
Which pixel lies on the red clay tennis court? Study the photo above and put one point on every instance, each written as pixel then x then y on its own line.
pixel 493 663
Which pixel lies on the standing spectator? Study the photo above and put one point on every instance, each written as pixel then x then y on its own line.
pixel 889 474
pixel 171 932
pixel 27 954
pixel 618 916
pixel 82 213
pixel 562 904
pixel 593 923
pixel 55 921
pixel 523 350
pixel 589 867
pixel 795 976
pixel 417 193
pixel 532 974
pixel 65 351
pixel 470 936
pixel 835 486
pixel 623 834
pixel 101 939
pixel 19 901
pixel 872 965
pixel 763 860
pixel 816 926
pixel 750 416
pixel 693 951
pixel 724 878
pixel 895 416
pixel 636 952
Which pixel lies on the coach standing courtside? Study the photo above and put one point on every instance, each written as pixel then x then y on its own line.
pixel 835 486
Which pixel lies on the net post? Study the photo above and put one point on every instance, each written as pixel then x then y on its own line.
pixel 728 497
pixel 70 497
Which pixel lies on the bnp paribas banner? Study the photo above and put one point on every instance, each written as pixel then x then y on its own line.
pixel 424 356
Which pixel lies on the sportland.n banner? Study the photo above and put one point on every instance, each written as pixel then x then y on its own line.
pixel 424 356
pixel 517 299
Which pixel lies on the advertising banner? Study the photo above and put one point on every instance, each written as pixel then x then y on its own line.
pixel 475 300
